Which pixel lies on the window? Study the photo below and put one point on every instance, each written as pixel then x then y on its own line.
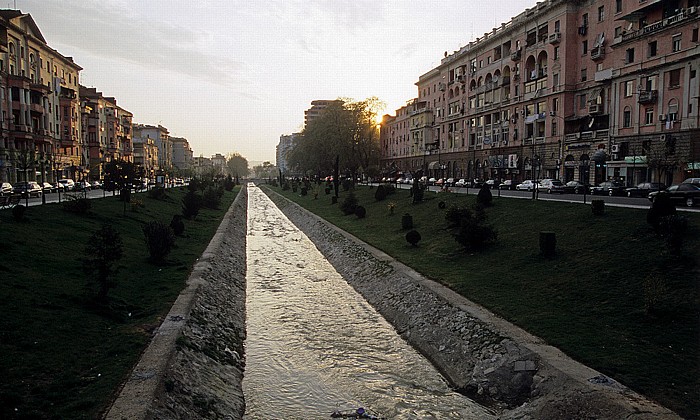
pixel 584 47
pixel 651 50
pixel 555 82
pixel 676 43
pixel 555 104
pixel 651 83
pixel 649 116
pixel 674 78
pixel 629 56
pixel 556 53
pixel 582 101
pixel 694 36
pixel 584 19
pixel 672 110
pixel 584 75
pixel 618 6
pixel 629 88
pixel 601 13
pixel 557 26
pixel 554 127
pixel 618 31
pixel 627 118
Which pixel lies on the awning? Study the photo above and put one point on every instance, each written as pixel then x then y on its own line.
pixel 434 165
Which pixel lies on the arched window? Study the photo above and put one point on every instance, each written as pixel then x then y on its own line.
pixel 627 117
pixel 12 49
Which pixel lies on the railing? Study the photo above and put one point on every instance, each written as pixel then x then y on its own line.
pixel 646 96
pixel 657 26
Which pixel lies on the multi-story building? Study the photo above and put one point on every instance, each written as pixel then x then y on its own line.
pixel 161 138
pixel 40 110
pixel 146 156
pixel 218 161
pixel 202 165
pixel 316 108
pixel 586 90
pixel 107 131
pixel 286 144
pixel 182 153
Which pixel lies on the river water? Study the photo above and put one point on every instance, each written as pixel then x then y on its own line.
pixel 315 345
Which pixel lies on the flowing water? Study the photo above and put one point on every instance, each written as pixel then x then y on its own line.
pixel 315 345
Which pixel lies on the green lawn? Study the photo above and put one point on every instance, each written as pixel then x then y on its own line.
pixel 589 301
pixel 62 356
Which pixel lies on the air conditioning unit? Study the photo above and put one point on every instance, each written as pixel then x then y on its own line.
pixel 595 109
pixel 662 117
pixel 615 148
pixel 554 38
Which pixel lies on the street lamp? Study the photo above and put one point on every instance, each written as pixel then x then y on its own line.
pixel 584 168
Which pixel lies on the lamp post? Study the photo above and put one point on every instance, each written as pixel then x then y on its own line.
pixel 535 163
pixel 584 168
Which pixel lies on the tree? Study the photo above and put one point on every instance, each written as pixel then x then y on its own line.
pixel 346 129
pixel 25 160
pixel 237 165
pixel 121 174
pixel 103 249
pixel 266 170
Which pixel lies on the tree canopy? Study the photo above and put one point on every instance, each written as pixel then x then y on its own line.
pixel 347 129
pixel 266 170
pixel 237 165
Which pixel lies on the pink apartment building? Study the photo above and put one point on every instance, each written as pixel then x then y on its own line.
pixel 585 90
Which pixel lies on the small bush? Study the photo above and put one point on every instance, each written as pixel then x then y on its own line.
pixel 360 212
pixel 304 190
pixel 418 192
pixel 177 225
pixel 77 205
pixel 348 205
pixel 455 214
pixel 474 235
pixel 381 193
pixel 159 240
pixel 413 237
pixel 191 204
pixel 485 198
pixel 673 228
pixel 406 221
pixel 347 184
pixel 229 183
pixel 441 205
pixel 598 207
pixel 211 198
pixel 103 249
pixel 157 193
pixel 18 212
pixel 661 207
pixel 285 186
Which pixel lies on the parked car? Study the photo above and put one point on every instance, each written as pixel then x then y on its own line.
pixel 551 186
pixel 526 185
pixel 5 188
pixel 25 188
pixel 431 181
pixel 643 189
pixel 47 187
pixel 575 187
pixel 95 185
pixel 82 186
pixel 507 185
pixel 691 181
pixel 440 182
pixel 608 188
pixel 461 182
pixel 68 184
pixel 491 183
pixel 477 183
pixel 450 182
pixel 400 181
pixel 685 193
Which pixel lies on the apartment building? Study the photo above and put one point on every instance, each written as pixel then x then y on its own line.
pixel 285 145
pixel 39 106
pixel 586 90
pixel 161 139
pixel 316 109
pixel 182 153
pixel 107 131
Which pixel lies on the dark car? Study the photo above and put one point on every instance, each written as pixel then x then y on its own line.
pixel 575 187
pixel 643 189
pixel 608 188
pixel 25 188
pixel 686 193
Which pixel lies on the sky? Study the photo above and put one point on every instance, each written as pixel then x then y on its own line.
pixel 233 76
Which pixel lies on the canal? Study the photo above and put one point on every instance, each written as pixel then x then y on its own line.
pixel 314 345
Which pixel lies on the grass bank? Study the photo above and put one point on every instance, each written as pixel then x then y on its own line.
pixel 589 300
pixel 61 355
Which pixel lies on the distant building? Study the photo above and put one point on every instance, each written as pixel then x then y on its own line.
pixel 201 165
pixel 286 144
pixel 161 139
pixel 317 108
pixel 182 153
pixel 218 161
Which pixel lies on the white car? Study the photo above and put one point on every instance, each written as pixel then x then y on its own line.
pixel 526 185
pixel 68 184
pixel 461 183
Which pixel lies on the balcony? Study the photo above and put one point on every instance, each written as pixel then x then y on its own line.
pixel 660 25
pixel 554 38
pixel 648 96
pixel 598 53
pixel 515 56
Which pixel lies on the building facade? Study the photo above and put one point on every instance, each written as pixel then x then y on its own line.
pixel 182 154
pixel 586 90
pixel 316 108
pixel 161 139
pixel 285 145
pixel 40 112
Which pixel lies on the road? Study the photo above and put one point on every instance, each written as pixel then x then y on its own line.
pixel 55 198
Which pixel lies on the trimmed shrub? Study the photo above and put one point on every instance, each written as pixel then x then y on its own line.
pixel 673 228
pixel 406 221
pixel 304 190
pixel 474 235
pixel 18 212
pixel 418 192
pixel 381 193
pixel 349 204
pixel 661 207
pixel 191 204
pixel 158 193
pixel 598 207
pixel 159 240
pixel 103 249
pixel 413 237
pixel 360 212
pixel 211 198
pixel 177 225
pixel 548 244
pixel 484 197
pixel 455 214
pixel 229 183
pixel 77 205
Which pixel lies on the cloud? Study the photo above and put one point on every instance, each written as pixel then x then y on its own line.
pixel 116 32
